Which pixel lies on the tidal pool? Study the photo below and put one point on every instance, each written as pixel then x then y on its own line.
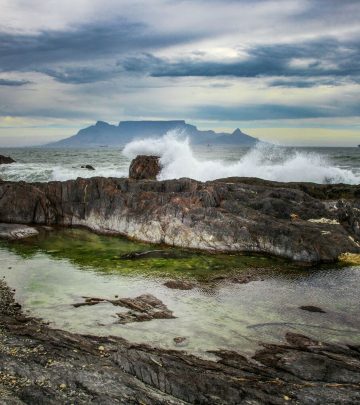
pixel 58 268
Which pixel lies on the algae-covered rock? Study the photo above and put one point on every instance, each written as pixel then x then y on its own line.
pixel 350 258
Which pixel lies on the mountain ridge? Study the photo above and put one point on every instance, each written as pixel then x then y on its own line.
pixel 105 134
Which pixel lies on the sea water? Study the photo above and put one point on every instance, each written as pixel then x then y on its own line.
pixel 181 159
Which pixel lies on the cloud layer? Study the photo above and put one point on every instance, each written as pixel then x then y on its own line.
pixel 215 62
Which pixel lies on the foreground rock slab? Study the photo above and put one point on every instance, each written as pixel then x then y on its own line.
pixel 40 365
pixel 301 221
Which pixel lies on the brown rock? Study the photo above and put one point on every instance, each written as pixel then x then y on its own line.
pixel 179 285
pixel 144 167
pixel 141 309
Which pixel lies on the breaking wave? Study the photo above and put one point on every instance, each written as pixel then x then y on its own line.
pixel 264 161
pixel 47 172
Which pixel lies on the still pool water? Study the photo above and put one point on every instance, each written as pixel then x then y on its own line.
pixel 55 270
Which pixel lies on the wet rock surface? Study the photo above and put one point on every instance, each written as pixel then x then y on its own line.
pixel 40 365
pixel 228 215
pixel 179 285
pixel 144 308
pixel 16 231
pixel 5 160
pixel 144 167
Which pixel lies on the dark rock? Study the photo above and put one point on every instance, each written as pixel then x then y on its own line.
pixel 179 285
pixel 89 301
pixel 311 308
pixel 154 254
pixel 231 215
pixel 144 167
pixel 180 341
pixel 89 167
pixel 4 160
pixel 143 308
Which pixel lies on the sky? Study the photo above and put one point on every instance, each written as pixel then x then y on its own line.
pixel 287 71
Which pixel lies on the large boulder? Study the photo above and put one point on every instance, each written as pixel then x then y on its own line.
pixel 144 167
pixel 6 160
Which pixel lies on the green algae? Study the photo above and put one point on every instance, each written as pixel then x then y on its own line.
pixel 103 253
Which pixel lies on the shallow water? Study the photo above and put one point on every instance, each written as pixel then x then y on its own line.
pixel 55 270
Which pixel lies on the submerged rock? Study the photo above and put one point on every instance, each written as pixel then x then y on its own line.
pixel 16 231
pixel 4 160
pixel 312 308
pixel 89 167
pixel 229 215
pixel 180 341
pixel 144 167
pixel 154 254
pixel 179 285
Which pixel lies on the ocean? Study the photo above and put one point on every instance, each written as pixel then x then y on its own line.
pixel 180 159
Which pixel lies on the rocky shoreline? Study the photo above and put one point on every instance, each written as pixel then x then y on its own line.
pixel 304 222
pixel 40 365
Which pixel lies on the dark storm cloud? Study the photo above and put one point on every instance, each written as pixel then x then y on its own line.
pixel 274 111
pixel 306 84
pixel 87 43
pixel 80 75
pixel 329 56
pixel 14 83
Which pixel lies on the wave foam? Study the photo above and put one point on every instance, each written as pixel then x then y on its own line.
pixel 264 161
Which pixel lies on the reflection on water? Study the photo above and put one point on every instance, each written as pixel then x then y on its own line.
pixel 55 270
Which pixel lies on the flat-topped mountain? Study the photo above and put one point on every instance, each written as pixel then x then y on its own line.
pixel 104 134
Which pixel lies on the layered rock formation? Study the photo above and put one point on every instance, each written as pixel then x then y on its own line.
pixel 300 221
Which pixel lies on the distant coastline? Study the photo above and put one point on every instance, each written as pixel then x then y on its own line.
pixel 104 134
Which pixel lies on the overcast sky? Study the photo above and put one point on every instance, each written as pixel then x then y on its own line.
pixel 285 70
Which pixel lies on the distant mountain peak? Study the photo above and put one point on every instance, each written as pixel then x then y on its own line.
pixel 101 124
pixel 238 131
pixel 103 133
